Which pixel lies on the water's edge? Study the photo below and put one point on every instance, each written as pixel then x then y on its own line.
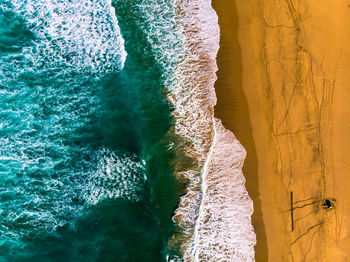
pixel 214 214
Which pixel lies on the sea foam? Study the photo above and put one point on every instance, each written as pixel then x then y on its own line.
pixel 81 33
pixel 214 215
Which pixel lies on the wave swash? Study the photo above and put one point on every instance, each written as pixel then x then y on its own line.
pixel 214 216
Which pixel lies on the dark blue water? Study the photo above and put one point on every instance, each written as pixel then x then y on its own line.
pixel 85 169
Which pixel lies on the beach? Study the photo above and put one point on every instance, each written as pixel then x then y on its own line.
pixel 170 131
pixel 282 89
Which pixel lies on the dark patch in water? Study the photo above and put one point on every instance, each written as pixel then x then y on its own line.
pixel 13 32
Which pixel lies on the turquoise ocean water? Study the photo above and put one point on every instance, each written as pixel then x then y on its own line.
pixel 85 164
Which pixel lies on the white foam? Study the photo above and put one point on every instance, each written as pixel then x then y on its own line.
pixel 194 98
pixel 223 229
pixel 116 177
pixel 214 214
pixel 79 33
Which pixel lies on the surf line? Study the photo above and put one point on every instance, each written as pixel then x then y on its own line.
pixel 204 186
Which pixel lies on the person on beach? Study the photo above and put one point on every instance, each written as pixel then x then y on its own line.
pixel 329 204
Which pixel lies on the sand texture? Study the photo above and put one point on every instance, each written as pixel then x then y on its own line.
pixel 284 90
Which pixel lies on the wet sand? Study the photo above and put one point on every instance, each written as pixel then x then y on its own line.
pixel 283 89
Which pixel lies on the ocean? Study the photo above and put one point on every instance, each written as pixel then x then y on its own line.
pixel 86 172
pixel 106 129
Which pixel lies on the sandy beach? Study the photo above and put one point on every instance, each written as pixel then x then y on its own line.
pixel 283 90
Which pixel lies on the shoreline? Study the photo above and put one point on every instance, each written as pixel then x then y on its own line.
pixel 223 229
pixel 232 109
pixel 214 216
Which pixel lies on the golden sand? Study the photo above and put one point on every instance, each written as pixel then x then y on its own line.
pixel 284 90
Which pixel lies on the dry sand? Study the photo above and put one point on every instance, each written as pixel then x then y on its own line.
pixel 284 90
